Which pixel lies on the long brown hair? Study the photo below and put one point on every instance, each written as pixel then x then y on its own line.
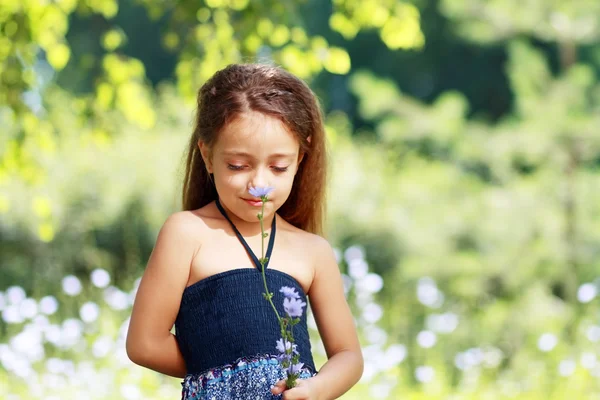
pixel 272 91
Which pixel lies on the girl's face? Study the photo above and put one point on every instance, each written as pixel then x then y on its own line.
pixel 254 150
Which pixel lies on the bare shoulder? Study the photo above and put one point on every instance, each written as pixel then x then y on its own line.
pixel 307 240
pixel 316 250
pixel 190 224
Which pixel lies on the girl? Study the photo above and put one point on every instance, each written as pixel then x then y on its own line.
pixel 256 126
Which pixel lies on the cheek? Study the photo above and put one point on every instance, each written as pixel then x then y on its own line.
pixel 227 181
pixel 285 184
pixel 235 181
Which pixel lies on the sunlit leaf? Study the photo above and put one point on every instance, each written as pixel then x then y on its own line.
pixel 58 55
pixel 41 206
pixel 46 232
pixel 338 61
pixel 112 39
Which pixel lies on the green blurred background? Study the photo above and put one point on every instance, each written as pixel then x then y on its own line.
pixel 464 199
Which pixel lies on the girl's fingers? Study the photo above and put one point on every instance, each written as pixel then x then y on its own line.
pixel 279 387
pixel 295 394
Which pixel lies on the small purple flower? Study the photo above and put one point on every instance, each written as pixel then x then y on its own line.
pixel 261 192
pixel 293 307
pixel 281 347
pixel 288 345
pixel 295 368
pixel 282 358
pixel 289 292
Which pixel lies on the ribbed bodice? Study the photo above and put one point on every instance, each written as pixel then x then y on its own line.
pixel 225 317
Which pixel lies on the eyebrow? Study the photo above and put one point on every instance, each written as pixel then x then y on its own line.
pixel 248 155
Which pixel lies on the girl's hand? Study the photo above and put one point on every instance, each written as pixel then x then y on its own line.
pixel 304 390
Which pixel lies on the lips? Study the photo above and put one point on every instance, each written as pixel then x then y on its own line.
pixel 254 203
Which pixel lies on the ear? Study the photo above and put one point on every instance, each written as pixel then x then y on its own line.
pixel 206 156
pixel 301 155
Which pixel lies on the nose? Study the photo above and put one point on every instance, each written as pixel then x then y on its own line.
pixel 259 178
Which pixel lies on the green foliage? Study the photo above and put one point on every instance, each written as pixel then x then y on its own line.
pixel 550 20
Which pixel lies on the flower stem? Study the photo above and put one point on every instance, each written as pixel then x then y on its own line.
pixel 262 259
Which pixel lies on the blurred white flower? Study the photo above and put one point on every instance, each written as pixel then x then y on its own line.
pixel 89 312
pixel 115 298
pixel 354 253
pixel 102 346
pixel 381 390
pixel 371 283
pixel 474 356
pixel 130 392
pixel 53 334
pixel 53 381
pixel 69 368
pixel 394 355
pixel 373 352
pixel 55 365
pixel 71 285
pixel 375 334
pixel 123 359
pixel 2 301
pixel 593 333
pixel 426 339
pixel 29 344
pixel 5 352
pixel 100 278
pixel 587 292
pixel 11 315
pixel 469 359
pixel 424 373
pixel 428 293
pixel 22 368
pixel 442 323
pixel 361 297
pixel 15 363
pixel 28 308
pixel 71 332
pixel 492 357
pixel 86 371
pixel 372 312
pixel 460 362
pixel 15 294
pixel 370 370
pixel 547 342
pixel 566 367
pixel 48 305
pixel 358 268
pixel 588 360
pixel 40 321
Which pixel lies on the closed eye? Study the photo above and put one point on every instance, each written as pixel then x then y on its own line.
pixel 235 167
pixel 280 169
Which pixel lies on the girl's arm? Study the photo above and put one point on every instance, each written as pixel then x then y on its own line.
pixel 344 366
pixel 150 342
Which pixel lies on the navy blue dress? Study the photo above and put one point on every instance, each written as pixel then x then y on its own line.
pixel 227 331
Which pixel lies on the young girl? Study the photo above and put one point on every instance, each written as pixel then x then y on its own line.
pixel 257 126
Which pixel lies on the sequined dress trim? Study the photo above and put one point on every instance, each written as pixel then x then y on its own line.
pixel 246 378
